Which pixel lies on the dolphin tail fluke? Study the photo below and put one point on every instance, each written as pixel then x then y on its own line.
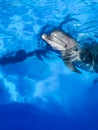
pixel 72 67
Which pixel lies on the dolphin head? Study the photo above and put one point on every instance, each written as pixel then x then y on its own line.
pixel 59 40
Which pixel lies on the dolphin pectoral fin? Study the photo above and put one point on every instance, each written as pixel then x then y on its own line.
pixel 72 67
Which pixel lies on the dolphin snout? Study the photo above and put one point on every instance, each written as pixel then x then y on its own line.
pixel 44 36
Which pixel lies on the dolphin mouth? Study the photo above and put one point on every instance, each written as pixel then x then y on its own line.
pixel 54 41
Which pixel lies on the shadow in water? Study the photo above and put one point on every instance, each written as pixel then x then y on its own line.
pixel 20 56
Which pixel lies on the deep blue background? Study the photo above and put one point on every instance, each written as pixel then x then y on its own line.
pixel 44 94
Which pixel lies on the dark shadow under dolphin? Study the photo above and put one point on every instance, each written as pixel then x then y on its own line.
pixel 20 56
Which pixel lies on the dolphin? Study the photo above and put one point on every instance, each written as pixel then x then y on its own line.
pixel 73 56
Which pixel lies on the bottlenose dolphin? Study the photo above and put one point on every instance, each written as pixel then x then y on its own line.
pixel 73 56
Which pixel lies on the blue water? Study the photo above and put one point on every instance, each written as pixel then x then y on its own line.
pixel 44 94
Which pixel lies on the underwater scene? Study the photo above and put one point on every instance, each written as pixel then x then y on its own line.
pixel 41 87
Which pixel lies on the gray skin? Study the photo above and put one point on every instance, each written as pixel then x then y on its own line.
pixel 73 56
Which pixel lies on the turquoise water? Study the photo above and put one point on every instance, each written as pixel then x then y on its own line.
pixel 43 93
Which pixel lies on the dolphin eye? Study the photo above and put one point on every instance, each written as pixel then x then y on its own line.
pixel 65 45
